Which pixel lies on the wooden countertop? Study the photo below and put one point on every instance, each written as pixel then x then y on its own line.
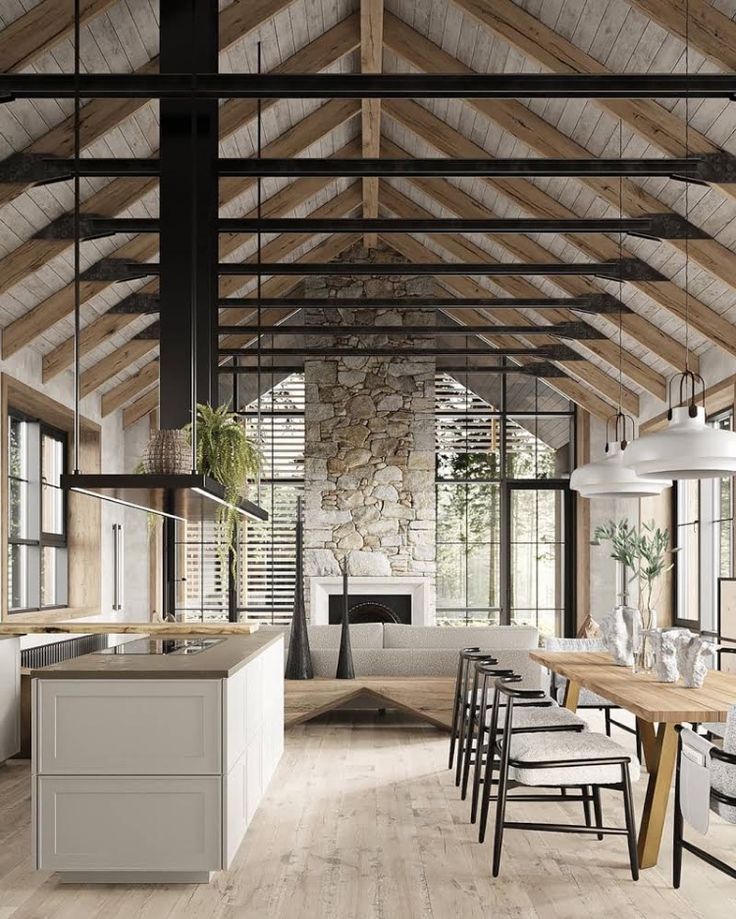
pixel 215 663
pixel 641 693
pixel 131 628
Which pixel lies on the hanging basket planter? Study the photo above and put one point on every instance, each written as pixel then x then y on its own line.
pixel 168 452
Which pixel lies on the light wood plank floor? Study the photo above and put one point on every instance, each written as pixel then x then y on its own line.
pixel 363 822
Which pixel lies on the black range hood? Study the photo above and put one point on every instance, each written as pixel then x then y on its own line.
pixel 192 496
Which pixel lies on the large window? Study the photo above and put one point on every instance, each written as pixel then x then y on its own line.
pixel 37 547
pixel 704 538
pixel 503 506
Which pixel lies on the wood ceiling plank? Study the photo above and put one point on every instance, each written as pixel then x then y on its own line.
pixel 114 363
pixel 60 304
pixel 532 199
pixel 116 397
pixel 40 28
pixel 632 367
pixel 143 406
pixel 592 396
pixel 371 61
pixel 235 114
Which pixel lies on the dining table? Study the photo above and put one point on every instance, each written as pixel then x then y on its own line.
pixel 658 708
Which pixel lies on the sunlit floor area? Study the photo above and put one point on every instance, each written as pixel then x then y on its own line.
pixel 363 820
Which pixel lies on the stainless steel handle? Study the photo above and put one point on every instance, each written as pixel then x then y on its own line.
pixel 117 566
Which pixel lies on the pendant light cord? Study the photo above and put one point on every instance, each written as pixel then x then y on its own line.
pixel 687 191
pixel 77 240
pixel 193 242
pixel 620 280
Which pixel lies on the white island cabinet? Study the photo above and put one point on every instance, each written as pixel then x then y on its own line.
pixel 150 768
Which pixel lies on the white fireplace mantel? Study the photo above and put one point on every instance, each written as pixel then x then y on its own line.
pixel 321 588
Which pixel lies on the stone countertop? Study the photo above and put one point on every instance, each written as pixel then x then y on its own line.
pixel 168 629
pixel 215 663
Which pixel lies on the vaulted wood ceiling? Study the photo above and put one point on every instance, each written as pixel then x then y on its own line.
pixel 119 347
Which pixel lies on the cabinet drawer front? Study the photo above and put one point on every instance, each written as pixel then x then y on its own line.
pixel 129 727
pixel 96 823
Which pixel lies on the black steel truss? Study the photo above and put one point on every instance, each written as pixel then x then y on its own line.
pixel 547 352
pixel 628 269
pixel 653 226
pixel 578 331
pixel 592 303
pixel 36 168
pixel 368 86
pixel 535 368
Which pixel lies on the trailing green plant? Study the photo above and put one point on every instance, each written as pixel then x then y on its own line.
pixel 228 455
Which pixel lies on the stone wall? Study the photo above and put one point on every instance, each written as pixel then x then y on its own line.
pixel 369 451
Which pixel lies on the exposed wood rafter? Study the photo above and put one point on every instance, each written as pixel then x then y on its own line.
pixel 371 61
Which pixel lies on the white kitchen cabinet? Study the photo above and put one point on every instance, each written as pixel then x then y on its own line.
pixel 152 780
pixel 9 697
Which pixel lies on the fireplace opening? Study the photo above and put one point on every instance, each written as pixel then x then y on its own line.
pixel 372 608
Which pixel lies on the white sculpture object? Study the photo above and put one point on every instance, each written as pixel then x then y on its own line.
pixel 619 631
pixel 695 657
pixel 665 643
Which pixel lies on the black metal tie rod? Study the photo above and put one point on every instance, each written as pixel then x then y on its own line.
pixel 548 352
pixel 371 86
pixel 578 331
pixel 534 368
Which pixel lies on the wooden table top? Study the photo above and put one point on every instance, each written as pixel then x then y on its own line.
pixel 640 693
pixel 157 629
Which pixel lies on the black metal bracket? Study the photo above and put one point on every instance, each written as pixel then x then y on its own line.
pixel 137 303
pixel 118 269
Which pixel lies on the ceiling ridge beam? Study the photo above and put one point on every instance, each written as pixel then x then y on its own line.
pixel 60 304
pixel 371 61
pixel 121 193
pixel 532 199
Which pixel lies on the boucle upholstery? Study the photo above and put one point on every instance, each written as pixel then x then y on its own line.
pixel 492 637
pixel 587 698
pixel 568 745
pixel 723 775
pixel 542 716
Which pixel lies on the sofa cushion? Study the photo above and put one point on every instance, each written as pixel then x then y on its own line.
pixel 491 637
pixel 363 635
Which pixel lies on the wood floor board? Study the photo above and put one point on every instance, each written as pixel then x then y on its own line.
pixel 363 821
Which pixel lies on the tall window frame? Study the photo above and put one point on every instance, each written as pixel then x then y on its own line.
pixel 37 525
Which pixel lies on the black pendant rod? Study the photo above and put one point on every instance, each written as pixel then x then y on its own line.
pixel 572 330
pixel 77 234
pixel 373 86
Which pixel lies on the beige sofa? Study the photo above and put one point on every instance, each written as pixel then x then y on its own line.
pixel 408 650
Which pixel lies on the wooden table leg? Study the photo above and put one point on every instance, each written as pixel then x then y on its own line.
pixel 658 793
pixel 572 695
pixel 648 737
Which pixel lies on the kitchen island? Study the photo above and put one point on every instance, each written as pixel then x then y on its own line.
pixel 149 766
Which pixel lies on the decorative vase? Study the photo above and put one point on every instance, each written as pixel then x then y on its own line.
pixel 345 669
pixel 299 660
pixel 665 644
pixel 643 644
pixel 695 656
pixel 619 631
pixel 168 452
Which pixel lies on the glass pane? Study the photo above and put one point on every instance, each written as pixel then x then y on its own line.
pixel 22 577
pixel 484 513
pixel 54 576
pixel 528 456
pixel 483 565
pixel 525 394
pixel 451 516
pixel 18 509
pixel 17 448
pixel 451 576
pixel 52 510
pixel 52 459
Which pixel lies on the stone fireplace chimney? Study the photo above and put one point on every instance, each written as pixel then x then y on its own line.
pixel 369 447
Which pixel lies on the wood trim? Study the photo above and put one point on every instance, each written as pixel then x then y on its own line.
pixel 708 30
pixel 84 513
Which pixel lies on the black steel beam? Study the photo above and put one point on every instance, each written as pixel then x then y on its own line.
pixel 370 86
pixel 137 303
pixel 593 303
pixel 579 331
pixel 536 369
pixel 630 269
pixel 548 352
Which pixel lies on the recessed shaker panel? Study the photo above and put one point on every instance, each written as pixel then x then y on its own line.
pixel 131 727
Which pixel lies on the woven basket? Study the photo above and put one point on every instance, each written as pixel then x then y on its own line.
pixel 168 453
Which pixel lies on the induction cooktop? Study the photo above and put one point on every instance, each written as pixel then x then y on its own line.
pixel 163 646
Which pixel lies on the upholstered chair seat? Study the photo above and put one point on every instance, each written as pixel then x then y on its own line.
pixel 528 749
pixel 538 717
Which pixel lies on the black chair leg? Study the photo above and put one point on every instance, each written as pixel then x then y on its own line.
pixel 500 819
pixel 607 717
pixel 677 827
pixel 597 808
pixel 639 750
pixel 630 822
pixel 467 750
pixel 585 791
pixel 485 801
pixel 477 770
pixel 454 730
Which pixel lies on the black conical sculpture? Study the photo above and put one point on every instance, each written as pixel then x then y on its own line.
pixel 299 661
pixel 345 670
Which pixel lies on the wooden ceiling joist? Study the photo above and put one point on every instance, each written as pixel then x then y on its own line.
pixel 61 304
pixel 371 61
pixel 234 115
pixel 541 136
pixel 538 203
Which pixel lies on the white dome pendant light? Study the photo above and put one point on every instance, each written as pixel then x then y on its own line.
pixel 688 448
pixel 609 477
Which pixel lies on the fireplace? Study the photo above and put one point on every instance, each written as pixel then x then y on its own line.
pixel 408 597
pixel 372 608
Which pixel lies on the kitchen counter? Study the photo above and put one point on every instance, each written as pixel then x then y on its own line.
pixel 160 629
pixel 149 768
pixel 218 662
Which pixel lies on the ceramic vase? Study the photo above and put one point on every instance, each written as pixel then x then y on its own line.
pixel 620 630
pixel 695 656
pixel 168 452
